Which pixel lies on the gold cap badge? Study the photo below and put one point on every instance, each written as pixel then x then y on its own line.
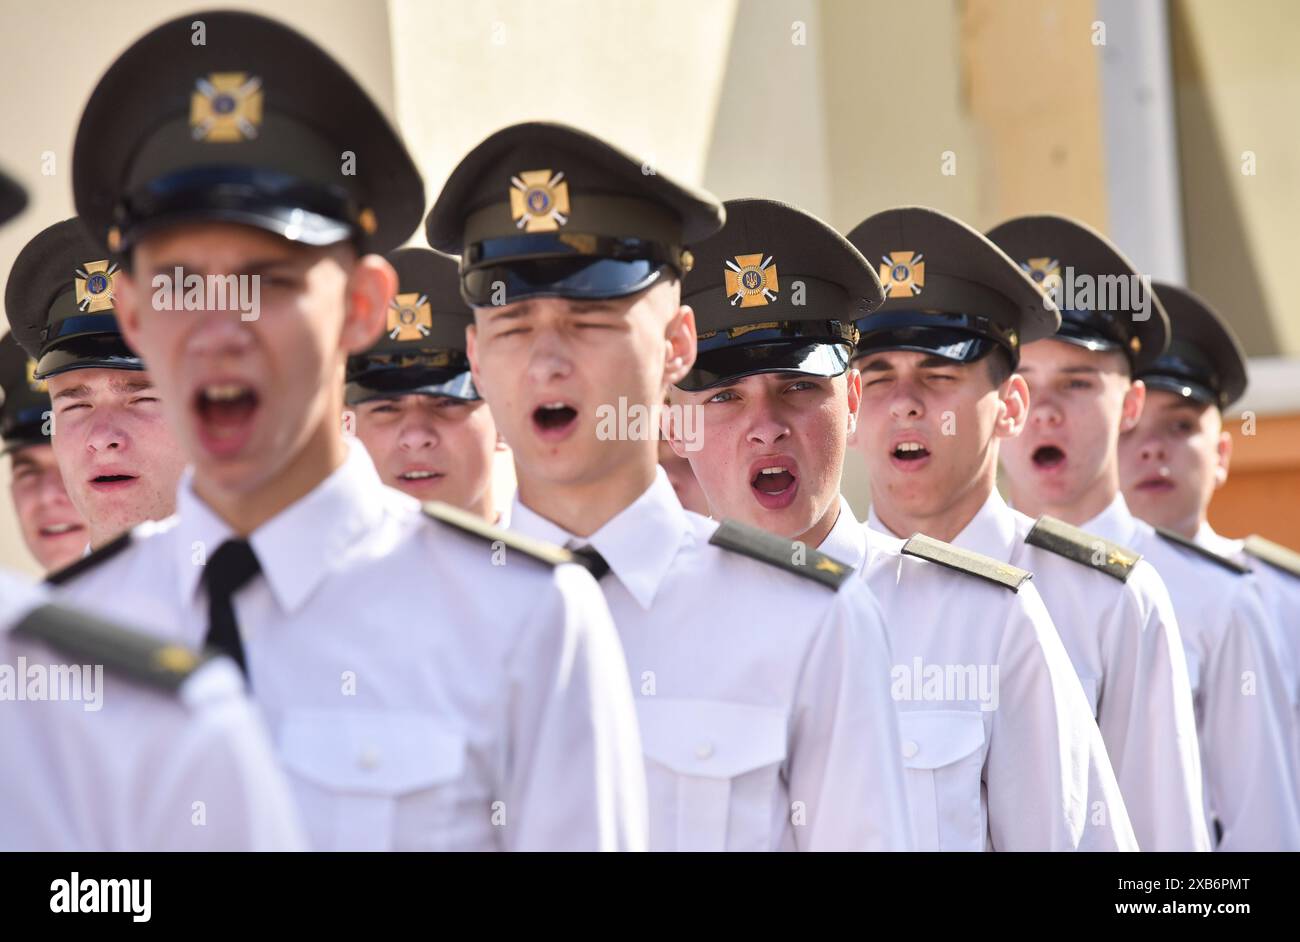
pixel 1045 273
pixel 37 385
pixel 94 286
pixel 410 317
pixel 902 274
pixel 539 200
pixel 226 107
pixel 751 280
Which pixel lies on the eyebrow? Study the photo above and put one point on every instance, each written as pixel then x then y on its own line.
pixel 881 365
pixel 82 391
pixel 250 267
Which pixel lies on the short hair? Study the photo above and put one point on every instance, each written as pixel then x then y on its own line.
pixel 998 363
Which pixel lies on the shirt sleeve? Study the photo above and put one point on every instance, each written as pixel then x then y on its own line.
pixel 1246 734
pixel 1147 720
pixel 575 778
pixel 844 766
pixel 1050 783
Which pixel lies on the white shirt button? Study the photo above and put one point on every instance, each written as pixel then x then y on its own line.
pixel 910 749
pixel 704 750
pixel 369 758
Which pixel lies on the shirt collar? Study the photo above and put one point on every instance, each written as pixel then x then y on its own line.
pixel 1224 546
pixel 639 543
pixel 1116 523
pixel 298 546
pixel 847 541
pixel 992 531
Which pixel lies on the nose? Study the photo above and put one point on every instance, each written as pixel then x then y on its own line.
pixel 769 426
pixel 52 492
pixel 905 404
pixel 219 333
pixel 548 360
pixel 1152 449
pixel 106 433
pixel 1043 412
pixel 417 433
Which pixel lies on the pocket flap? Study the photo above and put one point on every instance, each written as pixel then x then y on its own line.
pixel 711 738
pixel 377 752
pixel 935 738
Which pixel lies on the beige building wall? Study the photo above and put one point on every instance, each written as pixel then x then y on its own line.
pixel 981 108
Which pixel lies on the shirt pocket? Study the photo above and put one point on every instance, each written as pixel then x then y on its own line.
pixel 378 780
pixel 943 760
pixel 713 772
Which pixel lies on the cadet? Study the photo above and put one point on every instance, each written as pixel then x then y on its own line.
pixel 763 701
pixel 420 695
pixel 52 529
pixel 416 408
pixel 1177 456
pixel 940 393
pixel 119 460
pixel 1010 760
pixel 1082 397
pixel 160 752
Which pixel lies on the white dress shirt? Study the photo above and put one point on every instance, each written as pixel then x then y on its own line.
pixel 427 689
pixel 1123 640
pixel 1000 746
pixel 1242 714
pixel 764 706
pixel 1281 593
pixel 143 768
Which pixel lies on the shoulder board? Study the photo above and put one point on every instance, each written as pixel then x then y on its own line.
pixel 476 526
pixel 785 554
pixel 89 561
pixel 1275 554
pixel 1229 564
pixel 92 640
pixel 1095 552
pixel 967 561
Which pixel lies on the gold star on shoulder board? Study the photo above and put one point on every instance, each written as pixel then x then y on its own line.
pixel 174 659
pixel 226 107
pixel 829 565
pixel 1118 558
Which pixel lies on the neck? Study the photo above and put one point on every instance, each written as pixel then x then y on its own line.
pixel 245 511
pixel 944 522
pixel 99 537
pixel 1095 498
pixel 583 508
pixel 817 534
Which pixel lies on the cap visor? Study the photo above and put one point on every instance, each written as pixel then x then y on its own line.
pixel 716 367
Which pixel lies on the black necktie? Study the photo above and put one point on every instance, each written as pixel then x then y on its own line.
pixel 595 563
pixel 228 571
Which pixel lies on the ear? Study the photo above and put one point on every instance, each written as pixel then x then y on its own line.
pixel 372 284
pixel 1134 401
pixel 669 425
pixel 854 391
pixel 1013 398
pixel 126 305
pixel 471 351
pixel 1225 459
pixel 680 339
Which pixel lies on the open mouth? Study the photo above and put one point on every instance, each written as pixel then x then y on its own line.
pixel 1156 485
pixel 554 420
pixel 911 451
pixel 1047 457
pixel 109 482
pixel 225 412
pixel 55 530
pixel 774 483
pixel 419 475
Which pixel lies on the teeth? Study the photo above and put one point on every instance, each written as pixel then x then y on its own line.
pixel 224 393
pixel 419 475
pixel 554 405
pixel 59 529
pixel 777 470
pixel 909 446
